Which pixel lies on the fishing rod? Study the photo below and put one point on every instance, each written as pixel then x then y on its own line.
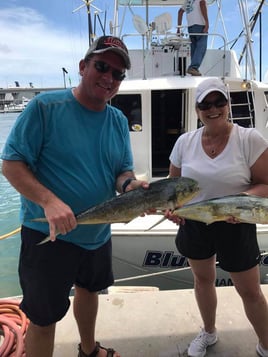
pixel 88 5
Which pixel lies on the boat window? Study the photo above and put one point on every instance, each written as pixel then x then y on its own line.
pixel 266 98
pixel 242 109
pixel 130 105
pixel 168 123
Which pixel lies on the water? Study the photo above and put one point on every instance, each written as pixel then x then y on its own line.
pixel 9 220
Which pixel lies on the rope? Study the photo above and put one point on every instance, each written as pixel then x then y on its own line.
pixel 13 326
pixel 163 272
pixel 10 233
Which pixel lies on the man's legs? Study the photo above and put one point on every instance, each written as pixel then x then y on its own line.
pixel 39 340
pixel 85 309
pixel 85 312
pixel 198 46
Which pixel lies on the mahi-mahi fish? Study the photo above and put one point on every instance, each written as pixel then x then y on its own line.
pixel 163 194
pixel 244 208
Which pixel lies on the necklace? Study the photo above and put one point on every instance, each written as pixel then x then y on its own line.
pixel 213 151
pixel 214 145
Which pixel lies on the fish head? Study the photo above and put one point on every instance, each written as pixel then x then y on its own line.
pixel 186 189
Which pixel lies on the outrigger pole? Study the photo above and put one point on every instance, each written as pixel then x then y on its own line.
pixel 88 4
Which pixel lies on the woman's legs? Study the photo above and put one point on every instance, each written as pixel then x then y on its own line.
pixel 204 272
pixel 247 284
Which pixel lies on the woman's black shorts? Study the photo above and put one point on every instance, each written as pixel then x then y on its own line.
pixel 235 245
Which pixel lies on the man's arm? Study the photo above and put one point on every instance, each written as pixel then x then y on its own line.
pixel 59 215
pixel 127 181
pixel 179 22
pixel 204 11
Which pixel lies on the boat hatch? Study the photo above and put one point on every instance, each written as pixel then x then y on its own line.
pixel 168 118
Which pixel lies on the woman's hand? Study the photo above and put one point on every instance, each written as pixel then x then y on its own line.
pixel 174 218
pixel 232 220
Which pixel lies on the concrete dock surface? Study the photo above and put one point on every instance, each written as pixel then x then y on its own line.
pixel 162 324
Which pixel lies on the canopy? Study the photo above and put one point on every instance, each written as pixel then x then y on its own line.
pixel 154 2
pixel 151 2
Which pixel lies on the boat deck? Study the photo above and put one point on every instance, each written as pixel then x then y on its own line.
pixel 161 324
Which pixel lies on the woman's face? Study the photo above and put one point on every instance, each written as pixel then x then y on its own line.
pixel 213 109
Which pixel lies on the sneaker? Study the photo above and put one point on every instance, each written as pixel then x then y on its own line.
pixel 193 71
pixel 261 351
pixel 198 347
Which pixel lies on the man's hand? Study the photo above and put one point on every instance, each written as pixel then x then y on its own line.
pixel 60 218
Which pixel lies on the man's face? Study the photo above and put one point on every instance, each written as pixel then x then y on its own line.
pixel 101 77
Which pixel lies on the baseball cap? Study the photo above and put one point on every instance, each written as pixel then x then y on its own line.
pixel 208 86
pixel 110 43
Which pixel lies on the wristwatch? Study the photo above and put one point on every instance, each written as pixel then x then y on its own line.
pixel 126 183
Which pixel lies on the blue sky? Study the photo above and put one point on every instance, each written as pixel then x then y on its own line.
pixel 38 38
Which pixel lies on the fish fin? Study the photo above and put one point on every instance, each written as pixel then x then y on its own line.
pixel 156 224
pixel 43 220
pixel 47 239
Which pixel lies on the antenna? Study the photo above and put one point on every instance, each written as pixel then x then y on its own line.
pixel 88 4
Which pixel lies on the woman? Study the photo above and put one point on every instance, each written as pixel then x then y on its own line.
pixel 225 159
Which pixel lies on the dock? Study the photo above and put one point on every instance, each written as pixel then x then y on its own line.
pixel 162 324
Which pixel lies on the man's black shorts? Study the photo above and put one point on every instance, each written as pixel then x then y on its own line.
pixel 235 245
pixel 48 272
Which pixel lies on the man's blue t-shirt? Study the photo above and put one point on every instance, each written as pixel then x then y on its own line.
pixel 73 151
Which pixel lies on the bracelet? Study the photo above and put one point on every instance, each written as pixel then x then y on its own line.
pixel 126 183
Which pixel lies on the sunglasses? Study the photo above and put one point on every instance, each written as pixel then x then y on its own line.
pixel 220 103
pixel 103 67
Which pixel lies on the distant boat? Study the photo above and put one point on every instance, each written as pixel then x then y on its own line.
pixel 15 107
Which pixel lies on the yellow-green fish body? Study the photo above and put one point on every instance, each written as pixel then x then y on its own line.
pixel 163 194
pixel 245 208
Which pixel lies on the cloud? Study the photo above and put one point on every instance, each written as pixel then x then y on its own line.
pixel 34 50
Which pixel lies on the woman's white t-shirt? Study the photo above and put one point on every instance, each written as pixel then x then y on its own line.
pixel 226 174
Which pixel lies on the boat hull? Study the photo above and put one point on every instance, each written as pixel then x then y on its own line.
pixel 144 257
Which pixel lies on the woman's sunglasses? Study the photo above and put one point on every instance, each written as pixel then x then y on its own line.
pixel 104 67
pixel 220 103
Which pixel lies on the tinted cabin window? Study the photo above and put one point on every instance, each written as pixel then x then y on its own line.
pixel 266 97
pixel 168 123
pixel 130 105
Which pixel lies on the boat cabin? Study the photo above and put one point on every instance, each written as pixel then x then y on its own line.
pixel 158 97
pixel 159 110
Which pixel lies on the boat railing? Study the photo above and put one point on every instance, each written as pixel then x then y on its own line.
pixel 174 43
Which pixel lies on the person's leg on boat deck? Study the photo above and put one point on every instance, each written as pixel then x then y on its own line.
pixel 247 284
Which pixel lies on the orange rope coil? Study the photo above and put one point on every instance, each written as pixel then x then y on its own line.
pixel 13 327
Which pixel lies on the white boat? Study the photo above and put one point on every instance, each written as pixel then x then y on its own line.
pixel 14 107
pixel 143 256
pixel 159 100
pixel 163 98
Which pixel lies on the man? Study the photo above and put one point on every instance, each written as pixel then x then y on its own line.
pixel 197 20
pixel 67 151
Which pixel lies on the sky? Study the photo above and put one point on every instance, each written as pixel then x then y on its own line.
pixel 39 38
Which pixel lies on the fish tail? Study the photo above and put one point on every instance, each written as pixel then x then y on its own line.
pixel 47 239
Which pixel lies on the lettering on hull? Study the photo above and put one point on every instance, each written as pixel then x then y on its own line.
pixel 164 259
pixel 170 259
